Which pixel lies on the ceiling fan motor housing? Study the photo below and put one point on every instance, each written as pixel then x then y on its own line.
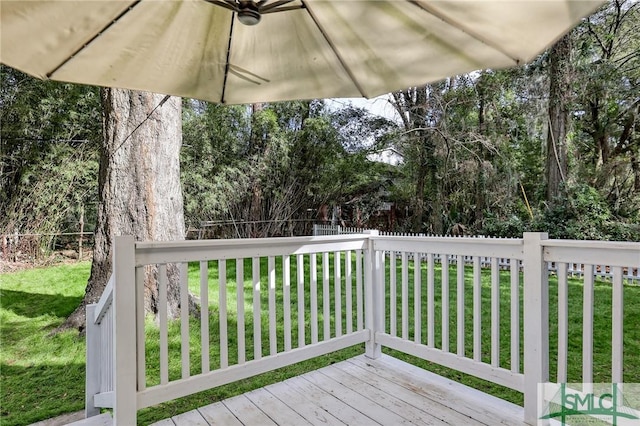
pixel 248 13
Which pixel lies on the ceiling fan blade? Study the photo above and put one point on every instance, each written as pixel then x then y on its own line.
pixel 265 8
pixel 284 9
pixel 231 5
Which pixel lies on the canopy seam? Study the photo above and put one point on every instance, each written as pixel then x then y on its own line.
pixel 335 50
pixel 98 34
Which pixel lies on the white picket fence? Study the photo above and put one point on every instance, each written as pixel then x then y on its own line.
pixel 324 230
pixel 322 294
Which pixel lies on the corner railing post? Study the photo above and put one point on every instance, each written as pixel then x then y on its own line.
pixel 536 324
pixel 124 341
pixel 374 317
pixel 92 374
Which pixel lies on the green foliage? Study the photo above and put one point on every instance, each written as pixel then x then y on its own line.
pixel 473 144
pixel 52 191
pixel 510 227
pixel 465 149
pixel 49 141
pixel 274 163
pixel 215 143
pixel 582 213
pixel 607 83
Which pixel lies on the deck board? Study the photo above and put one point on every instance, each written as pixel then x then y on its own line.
pixel 277 410
pixel 456 397
pixel 217 414
pixel 300 405
pixel 191 418
pixel 247 412
pixel 402 401
pixel 438 403
pixel 358 391
pixel 356 399
pixel 99 420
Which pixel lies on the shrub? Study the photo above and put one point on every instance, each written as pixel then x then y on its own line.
pixel 581 213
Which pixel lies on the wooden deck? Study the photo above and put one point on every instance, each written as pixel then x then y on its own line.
pixel 358 391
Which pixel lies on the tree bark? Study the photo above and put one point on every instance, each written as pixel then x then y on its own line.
pixel 139 188
pixel 635 167
pixel 413 107
pixel 559 99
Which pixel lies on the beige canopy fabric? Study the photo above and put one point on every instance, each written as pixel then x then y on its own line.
pixel 310 49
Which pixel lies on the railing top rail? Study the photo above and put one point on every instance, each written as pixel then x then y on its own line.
pixel 105 301
pixel 610 253
pixel 592 244
pixel 453 240
pixel 186 251
pixel 275 241
pixel 616 253
pixel 501 248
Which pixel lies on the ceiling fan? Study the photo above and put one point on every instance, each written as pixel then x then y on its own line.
pixel 250 12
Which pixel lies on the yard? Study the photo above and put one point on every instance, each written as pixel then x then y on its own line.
pixel 43 376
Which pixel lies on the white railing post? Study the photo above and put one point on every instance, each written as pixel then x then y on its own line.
pixel 92 375
pixel 536 324
pixel 124 342
pixel 373 315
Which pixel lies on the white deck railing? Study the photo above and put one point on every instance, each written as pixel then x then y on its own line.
pixel 308 296
pixel 630 275
pixel 100 350
pixel 450 348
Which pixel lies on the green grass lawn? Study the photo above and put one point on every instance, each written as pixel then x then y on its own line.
pixel 43 376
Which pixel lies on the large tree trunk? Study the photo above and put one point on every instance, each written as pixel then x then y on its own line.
pixel 139 188
pixel 413 106
pixel 559 98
